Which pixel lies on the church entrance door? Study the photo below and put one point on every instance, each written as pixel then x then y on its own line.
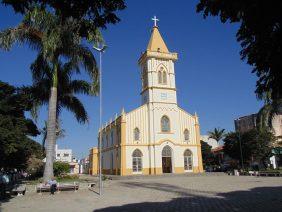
pixel 166 164
pixel 166 160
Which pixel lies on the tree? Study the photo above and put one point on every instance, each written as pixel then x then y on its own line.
pixel 90 14
pixel 260 37
pixel 207 154
pixel 217 134
pixel 67 89
pixel 60 133
pixel 15 145
pixel 57 36
pixel 256 145
pixel 267 113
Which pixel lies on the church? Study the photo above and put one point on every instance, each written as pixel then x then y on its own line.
pixel 157 137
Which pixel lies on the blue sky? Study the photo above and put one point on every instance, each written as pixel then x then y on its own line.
pixel 210 77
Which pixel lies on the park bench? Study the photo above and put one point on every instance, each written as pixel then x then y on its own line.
pixel 267 174
pixel 19 189
pixel 60 187
pixel 15 188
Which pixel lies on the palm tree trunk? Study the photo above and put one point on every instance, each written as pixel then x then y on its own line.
pixel 51 130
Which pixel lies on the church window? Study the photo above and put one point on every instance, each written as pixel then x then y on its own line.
pixel 137 161
pixel 112 161
pixel 188 160
pixel 165 124
pixel 160 77
pixel 164 77
pixel 112 138
pixel 186 135
pixel 136 134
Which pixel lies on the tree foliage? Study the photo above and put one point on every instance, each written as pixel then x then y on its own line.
pixel 61 168
pixel 256 145
pixel 88 14
pixel 207 155
pixel 217 134
pixel 15 145
pixel 260 36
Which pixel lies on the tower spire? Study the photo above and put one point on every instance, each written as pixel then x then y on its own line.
pixel 156 43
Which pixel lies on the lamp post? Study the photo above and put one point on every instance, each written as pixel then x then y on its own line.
pixel 101 51
pixel 241 152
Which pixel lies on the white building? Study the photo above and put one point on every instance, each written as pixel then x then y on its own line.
pixel 210 141
pixel 159 136
pixel 63 155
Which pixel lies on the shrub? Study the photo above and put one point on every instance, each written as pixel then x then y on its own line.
pixel 34 168
pixel 68 177
pixel 61 168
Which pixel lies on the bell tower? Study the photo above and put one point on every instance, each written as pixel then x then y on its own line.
pixel 157 71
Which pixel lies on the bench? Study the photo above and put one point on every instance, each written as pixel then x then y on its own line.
pixel 60 187
pixel 19 189
pixel 266 174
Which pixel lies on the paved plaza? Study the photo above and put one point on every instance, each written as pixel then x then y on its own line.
pixel 167 193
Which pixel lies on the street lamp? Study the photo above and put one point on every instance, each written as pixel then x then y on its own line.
pixel 241 152
pixel 101 51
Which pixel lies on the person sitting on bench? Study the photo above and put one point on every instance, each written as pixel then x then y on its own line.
pixel 53 185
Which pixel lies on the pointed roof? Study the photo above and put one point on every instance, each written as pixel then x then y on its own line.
pixel 156 42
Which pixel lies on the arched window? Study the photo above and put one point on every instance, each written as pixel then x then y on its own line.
pixel 137 161
pixel 160 77
pixel 136 134
pixel 166 151
pixel 186 135
pixel 165 124
pixel 188 160
pixel 164 77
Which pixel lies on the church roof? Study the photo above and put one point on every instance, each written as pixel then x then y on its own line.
pixel 156 42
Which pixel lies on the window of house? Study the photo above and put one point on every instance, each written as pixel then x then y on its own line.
pixel 66 155
pixel 165 124
pixel 188 160
pixel 136 134
pixel 137 161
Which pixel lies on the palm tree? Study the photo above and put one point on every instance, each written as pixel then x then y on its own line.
pixel 60 133
pixel 67 87
pixel 217 134
pixel 55 41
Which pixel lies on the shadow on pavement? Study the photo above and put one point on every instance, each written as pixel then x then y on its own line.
pixel 256 199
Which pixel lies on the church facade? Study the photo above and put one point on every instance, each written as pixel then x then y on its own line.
pixel 157 137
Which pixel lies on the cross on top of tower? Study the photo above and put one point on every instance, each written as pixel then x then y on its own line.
pixel 155 21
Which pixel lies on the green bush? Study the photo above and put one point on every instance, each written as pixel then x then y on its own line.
pixel 68 177
pixel 61 168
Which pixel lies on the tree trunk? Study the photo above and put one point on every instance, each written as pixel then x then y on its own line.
pixel 51 130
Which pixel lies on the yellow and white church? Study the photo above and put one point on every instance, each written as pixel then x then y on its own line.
pixel 157 137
